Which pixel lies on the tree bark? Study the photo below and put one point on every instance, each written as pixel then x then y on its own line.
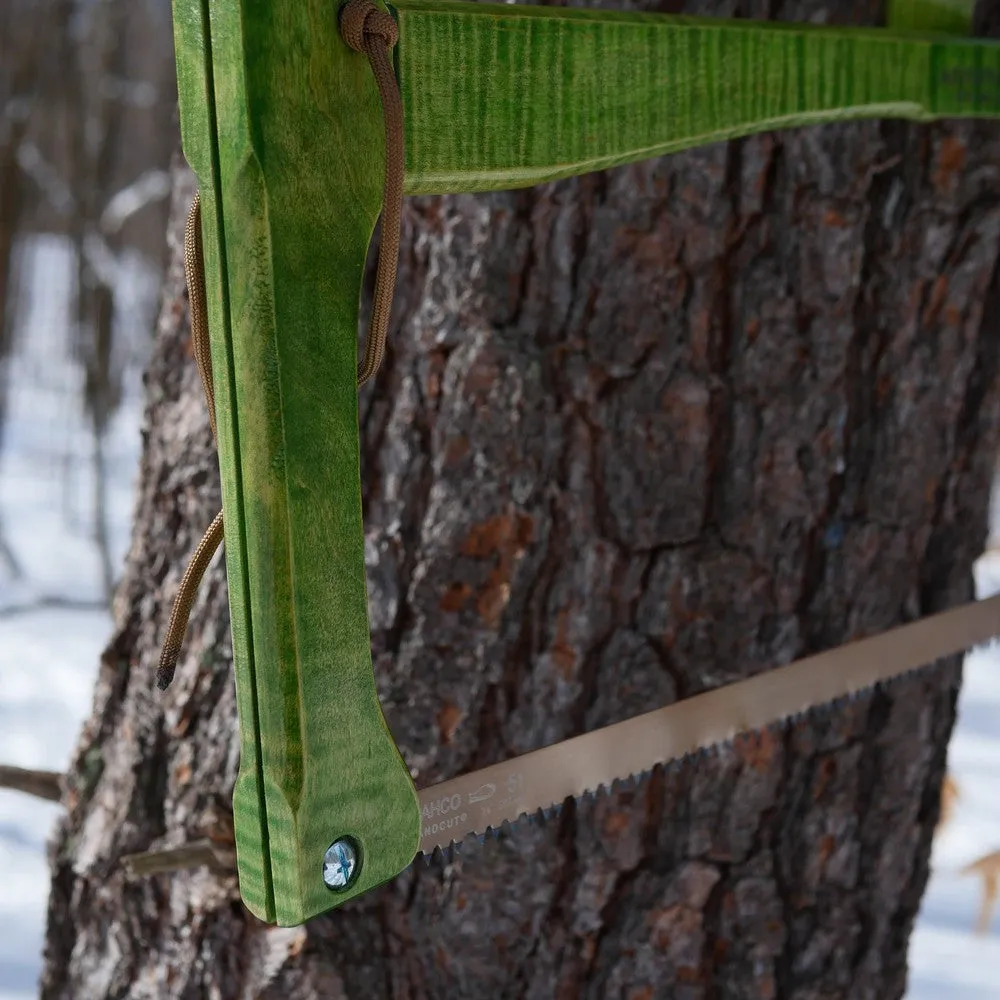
pixel 638 434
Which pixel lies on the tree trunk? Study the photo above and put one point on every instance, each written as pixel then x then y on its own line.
pixel 638 434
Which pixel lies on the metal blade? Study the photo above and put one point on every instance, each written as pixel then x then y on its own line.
pixel 483 799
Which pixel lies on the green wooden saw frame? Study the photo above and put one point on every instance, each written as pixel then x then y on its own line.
pixel 282 124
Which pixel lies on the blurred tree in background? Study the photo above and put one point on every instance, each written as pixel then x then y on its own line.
pixel 87 127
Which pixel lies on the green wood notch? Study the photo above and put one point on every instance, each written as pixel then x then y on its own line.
pixel 281 122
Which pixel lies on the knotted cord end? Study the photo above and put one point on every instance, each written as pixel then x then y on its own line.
pixel 359 18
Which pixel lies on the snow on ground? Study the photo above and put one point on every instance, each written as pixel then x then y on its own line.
pixel 947 960
pixel 48 656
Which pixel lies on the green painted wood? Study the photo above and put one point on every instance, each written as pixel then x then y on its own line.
pixel 198 131
pixel 944 17
pixel 298 140
pixel 282 124
pixel 498 96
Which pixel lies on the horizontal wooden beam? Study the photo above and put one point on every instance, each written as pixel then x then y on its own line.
pixel 500 96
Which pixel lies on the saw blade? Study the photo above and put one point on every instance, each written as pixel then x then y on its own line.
pixel 476 802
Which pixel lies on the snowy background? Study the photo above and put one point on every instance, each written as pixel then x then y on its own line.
pixel 54 622
pixel 53 626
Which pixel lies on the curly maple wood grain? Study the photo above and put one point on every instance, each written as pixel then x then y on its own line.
pixel 532 93
pixel 814 314
pixel 288 236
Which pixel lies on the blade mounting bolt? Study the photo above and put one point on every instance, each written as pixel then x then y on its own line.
pixel 340 864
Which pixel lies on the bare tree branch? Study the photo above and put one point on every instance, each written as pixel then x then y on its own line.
pixel 49 601
pixel 31 160
pixel 8 558
pixel 152 186
pixel 41 784
pixel 191 855
pixel 988 869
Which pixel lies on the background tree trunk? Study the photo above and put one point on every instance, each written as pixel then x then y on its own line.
pixel 639 434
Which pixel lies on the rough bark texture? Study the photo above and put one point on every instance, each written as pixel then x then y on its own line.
pixel 638 434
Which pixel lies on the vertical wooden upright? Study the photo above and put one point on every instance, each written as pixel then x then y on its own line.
pixel 283 125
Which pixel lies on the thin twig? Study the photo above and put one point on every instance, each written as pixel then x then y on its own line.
pixel 8 557
pixel 42 784
pixel 988 869
pixel 46 602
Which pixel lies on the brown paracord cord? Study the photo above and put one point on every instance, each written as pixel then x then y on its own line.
pixel 366 29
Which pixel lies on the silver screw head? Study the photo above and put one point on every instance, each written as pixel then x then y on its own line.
pixel 340 864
